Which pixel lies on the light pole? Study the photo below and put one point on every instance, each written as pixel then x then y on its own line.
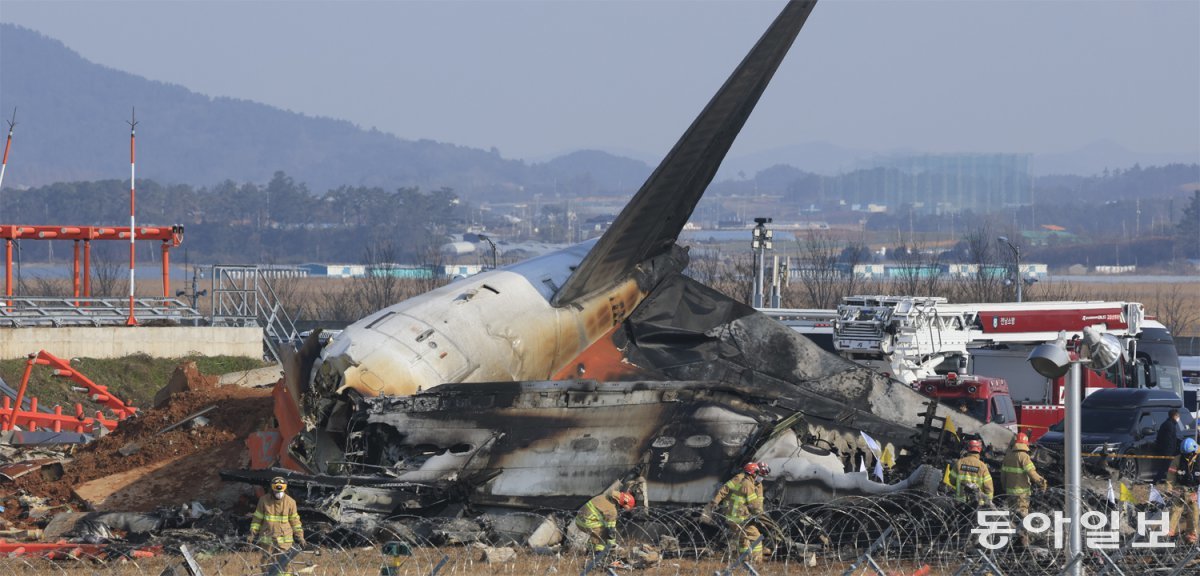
pixel 1053 361
pixel 195 294
pixel 1016 264
pixel 493 245
pixel 760 242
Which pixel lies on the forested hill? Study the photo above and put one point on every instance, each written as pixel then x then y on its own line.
pixel 71 116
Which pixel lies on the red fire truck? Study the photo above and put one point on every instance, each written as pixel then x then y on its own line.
pixel 917 338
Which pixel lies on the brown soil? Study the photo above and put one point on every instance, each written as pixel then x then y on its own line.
pixel 201 452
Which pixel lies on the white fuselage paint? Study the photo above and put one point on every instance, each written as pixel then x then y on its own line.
pixel 492 327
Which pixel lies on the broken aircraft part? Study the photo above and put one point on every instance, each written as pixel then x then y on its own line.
pixel 540 383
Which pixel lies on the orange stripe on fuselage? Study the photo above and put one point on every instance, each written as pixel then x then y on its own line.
pixel 602 361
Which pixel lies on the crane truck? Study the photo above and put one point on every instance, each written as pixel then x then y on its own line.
pixel 974 355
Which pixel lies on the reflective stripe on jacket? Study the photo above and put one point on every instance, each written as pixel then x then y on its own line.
pixel 741 498
pixel 276 520
pixel 599 512
pixel 970 469
pixel 1018 472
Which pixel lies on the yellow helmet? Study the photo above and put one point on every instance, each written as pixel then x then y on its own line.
pixel 278 484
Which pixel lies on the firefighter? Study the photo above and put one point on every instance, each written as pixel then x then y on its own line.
pixel 971 471
pixel 1019 476
pixel 598 519
pixel 275 525
pixel 1183 478
pixel 743 501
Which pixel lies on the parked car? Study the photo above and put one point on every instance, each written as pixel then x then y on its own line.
pixel 1124 421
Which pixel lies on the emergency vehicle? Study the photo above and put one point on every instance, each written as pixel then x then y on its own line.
pixel 915 338
pixel 984 398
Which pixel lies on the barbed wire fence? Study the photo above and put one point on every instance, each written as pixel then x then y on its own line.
pixel 905 535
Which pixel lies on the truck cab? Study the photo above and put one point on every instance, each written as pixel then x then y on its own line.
pixel 981 397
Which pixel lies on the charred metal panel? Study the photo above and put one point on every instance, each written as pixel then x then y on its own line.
pixel 686 330
pixel 560 442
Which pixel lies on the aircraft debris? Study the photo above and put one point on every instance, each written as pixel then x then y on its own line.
pixel 50 468
pixel 196 419
pixel 540 383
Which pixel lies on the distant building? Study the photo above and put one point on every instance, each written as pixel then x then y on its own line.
pixel 880 271
pixel 461 270
pixel 269 271
pixel 336 270
pixel 937 182
pixel 408 271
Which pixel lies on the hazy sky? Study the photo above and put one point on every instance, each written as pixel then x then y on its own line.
pixel 539 78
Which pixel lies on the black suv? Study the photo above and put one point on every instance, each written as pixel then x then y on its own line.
pixel 1123 421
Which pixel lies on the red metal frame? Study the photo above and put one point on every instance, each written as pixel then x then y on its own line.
pixel 12 415
pixel 170 236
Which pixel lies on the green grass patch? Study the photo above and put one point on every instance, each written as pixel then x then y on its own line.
pixel 133 378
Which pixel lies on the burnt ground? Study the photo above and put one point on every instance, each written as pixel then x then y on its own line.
pixel 187 460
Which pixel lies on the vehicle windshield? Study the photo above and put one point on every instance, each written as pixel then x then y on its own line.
pixel 1107 420
pixel 975 408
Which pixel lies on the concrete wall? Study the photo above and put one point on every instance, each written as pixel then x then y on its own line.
pixel 119 341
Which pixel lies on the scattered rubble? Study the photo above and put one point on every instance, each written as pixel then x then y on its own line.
pixel 152 461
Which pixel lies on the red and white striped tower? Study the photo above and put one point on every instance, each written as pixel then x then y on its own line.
pixel 132 321
pixel 8 243
pixel 7 145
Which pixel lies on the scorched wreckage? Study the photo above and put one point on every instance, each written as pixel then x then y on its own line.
pixel 541 384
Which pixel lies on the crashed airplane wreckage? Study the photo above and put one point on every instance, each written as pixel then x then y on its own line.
pixel 542 383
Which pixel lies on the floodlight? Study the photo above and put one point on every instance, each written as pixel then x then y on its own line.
pixel 1051 359
pixel 1103 349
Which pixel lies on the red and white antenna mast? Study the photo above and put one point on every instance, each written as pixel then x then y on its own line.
pixel 132 321
pixel 8 243
pixel 8 145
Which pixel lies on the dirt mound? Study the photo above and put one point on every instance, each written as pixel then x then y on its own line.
pixel 199 453
pixel 185 378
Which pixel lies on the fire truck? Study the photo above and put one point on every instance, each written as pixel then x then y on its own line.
pixel 984 398
pixel 914 339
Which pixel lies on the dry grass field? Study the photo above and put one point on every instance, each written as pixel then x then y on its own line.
pixel 1175 304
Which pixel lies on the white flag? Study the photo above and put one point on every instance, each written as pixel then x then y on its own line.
pixel 879 469
pixel 871 443
pixel 862 464
pixel 1155 496
pixel 1112 498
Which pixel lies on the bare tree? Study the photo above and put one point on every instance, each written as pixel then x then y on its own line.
pixel 1054 291
pixel 826 271
pixel 110 276
pixel 382 286
pixel 49 288
pixel 920 272
pixel 1175 308
pixel 985 284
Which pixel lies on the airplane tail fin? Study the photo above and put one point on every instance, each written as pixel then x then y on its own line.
pixel 651 222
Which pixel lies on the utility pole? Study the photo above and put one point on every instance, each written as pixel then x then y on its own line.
pixel 760 242
pixel 492 244
pixel 1016 264
pixel 132 320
